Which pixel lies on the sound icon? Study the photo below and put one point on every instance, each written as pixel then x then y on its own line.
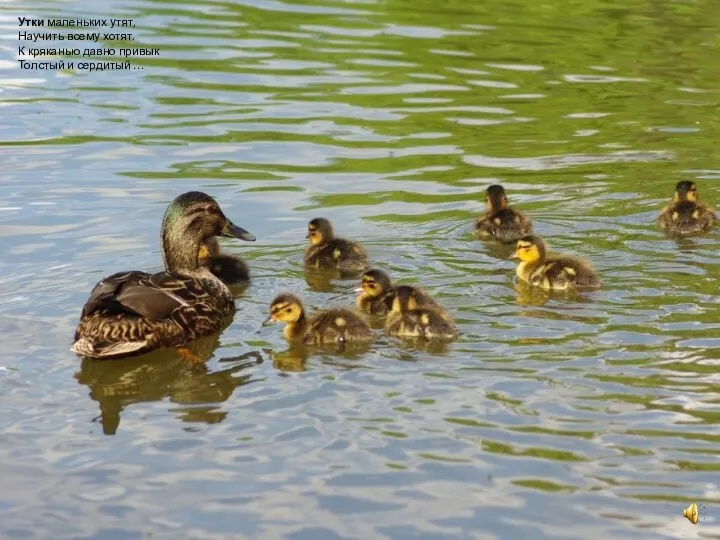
pixel 691 512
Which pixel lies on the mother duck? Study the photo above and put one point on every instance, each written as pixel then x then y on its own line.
pixel 131 313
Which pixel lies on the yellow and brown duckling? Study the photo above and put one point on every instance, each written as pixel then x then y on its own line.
pixel 409 319
pixel 130 313
pixel 337 325
pixel 377 294
pixel 552 272
pixel 686 215
pixel 500 221
pixel 230 269
pixel 326 252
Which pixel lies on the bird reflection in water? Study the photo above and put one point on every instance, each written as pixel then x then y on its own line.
pixel 340 355
pixel 527 295
pixel 166 373
pixel 322 280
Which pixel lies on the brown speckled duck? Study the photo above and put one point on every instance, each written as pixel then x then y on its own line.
pixel 130 313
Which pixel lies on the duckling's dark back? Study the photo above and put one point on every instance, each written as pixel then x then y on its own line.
pixel 423 322
pixel 689 217
pixel 506 225
pixel 231 270
pixel 569 270
pixel 337 325
pixel 339 254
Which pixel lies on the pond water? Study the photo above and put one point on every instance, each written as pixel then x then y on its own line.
pixel 594 416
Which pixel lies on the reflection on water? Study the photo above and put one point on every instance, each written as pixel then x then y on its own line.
pixel 390 119
pixel 162 374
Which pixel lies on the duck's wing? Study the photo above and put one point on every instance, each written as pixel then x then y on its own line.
pixel 152 296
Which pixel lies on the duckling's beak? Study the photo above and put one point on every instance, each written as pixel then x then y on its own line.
pixel 359 289
pixel 514 256
pixel 268 321
pixel 233 231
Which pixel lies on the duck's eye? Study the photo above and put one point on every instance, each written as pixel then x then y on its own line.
pixel 288 310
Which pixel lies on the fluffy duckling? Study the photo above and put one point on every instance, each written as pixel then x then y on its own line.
pixel 326 252
pixel 338 325
pixel 131 313
pixel 686 215
pixel 228 268
pixel 409 319
pixel 557 272
pixel 377 294
pixel 500 221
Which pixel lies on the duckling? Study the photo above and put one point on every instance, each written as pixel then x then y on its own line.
pixel 500 221
pixel 337 325
pixel 559 272
pixel 230 269
pixel 686 215
pixel 377 294
pixel 408 319
pixel 326 252
pixel 131 313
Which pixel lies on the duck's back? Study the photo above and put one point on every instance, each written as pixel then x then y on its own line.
pixel 427 323
pixel 506 225
pixel 565 271
pixel 337 325
pixel 687 217
pixel 134 312
pixel 382 304
pixel 228 268
pixel 338 254
pixel 379 305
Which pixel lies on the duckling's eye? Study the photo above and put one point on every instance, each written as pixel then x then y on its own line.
pixel 288 310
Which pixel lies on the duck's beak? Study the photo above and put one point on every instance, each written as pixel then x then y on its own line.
pixel 268 321
pixel 359 289
pixel 514 256
pixel 233 231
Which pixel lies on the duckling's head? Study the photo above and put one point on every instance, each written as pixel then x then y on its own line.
pixel 685 191
pixel 405 299
pixel 530 249
pixel 191 218
pixel 495 198
pixel 286 308
pixel 375 283
pixel 320 231
pixel 209 248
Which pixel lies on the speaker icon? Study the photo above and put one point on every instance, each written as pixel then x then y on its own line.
pixel 691 513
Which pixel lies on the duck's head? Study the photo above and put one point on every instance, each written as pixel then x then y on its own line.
pixel 405 299
pixel 191 218
pixel 320 231
pixel 374 283
pixel 286 308
pixel 495 198
pixel 685 191
pixel 530 249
